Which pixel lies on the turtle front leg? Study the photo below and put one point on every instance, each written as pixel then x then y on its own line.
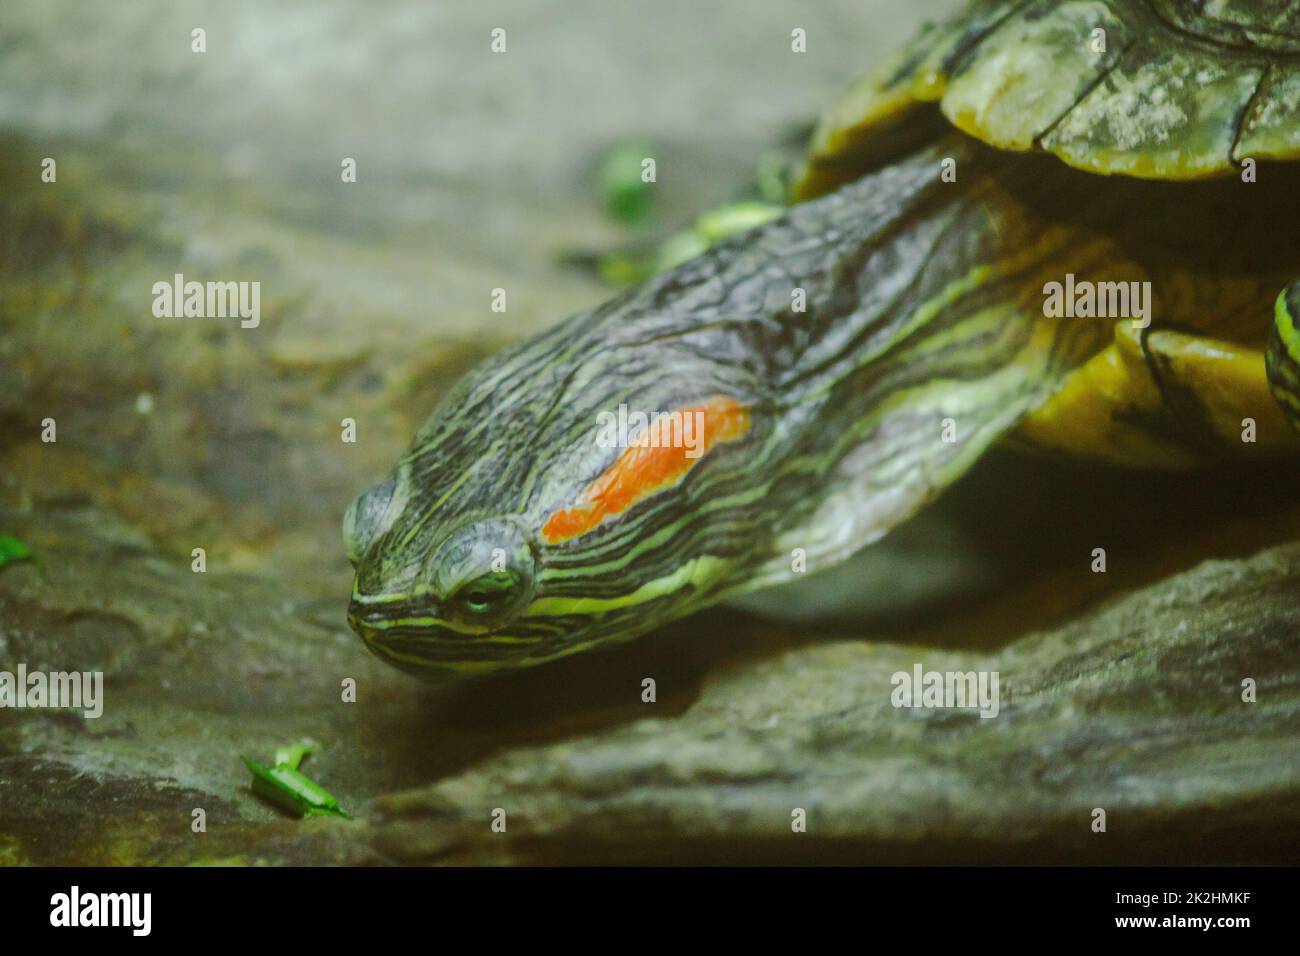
pixel 1282 357
pixel 1163 397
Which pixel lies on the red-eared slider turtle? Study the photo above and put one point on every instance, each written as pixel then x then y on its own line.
pixel 1090 263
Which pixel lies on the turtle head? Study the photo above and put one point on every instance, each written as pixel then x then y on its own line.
pixel 552 502
pixel 429 598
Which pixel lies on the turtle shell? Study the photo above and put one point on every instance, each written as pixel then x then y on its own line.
pixel 1163 89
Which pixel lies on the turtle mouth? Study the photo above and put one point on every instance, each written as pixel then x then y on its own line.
pixel 380 616
pixel 421 644
pixel 378 626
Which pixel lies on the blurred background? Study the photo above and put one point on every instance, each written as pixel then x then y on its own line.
pixel 475 171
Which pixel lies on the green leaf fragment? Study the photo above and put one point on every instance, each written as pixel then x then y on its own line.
pixel 629 268
pixel 718 224
pixel 628 198
pixel 772 177
pixel 292 755
pixel 11 549
pixel 290 789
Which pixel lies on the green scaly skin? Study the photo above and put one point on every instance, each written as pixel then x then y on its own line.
pixel 1283 355
pixel 923 305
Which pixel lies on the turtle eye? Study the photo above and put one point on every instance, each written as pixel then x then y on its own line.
pixel 483 574
pixel 488 597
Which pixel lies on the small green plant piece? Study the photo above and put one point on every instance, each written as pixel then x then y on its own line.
pixel 631 267
pixel 627 197
pixel 718 224
pixel 11 549
pixel 289 788
pixel 772 177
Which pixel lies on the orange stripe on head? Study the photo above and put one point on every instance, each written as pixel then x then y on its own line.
pixel 651 462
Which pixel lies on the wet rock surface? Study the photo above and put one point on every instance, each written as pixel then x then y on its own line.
pixel 1120 691
pixel 1135 707
pixel 1136 710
